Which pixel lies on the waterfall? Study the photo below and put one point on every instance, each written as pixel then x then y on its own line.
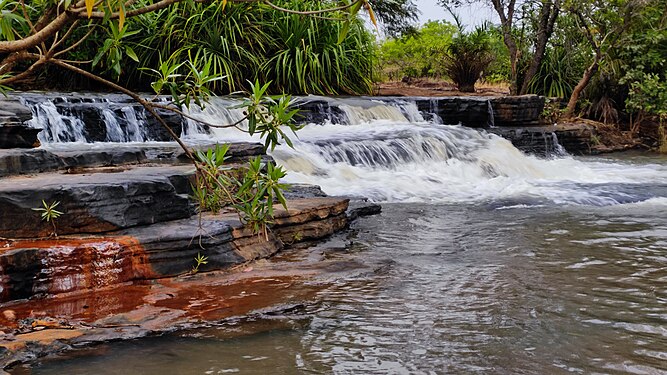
pixel 85 119
pixel 114 132
pixel 403 162
pixel 385 149
pixel 433 111
pixel 58 127
pixel 221 112
pixel 492 121
pixel 136 125
pixel 360 115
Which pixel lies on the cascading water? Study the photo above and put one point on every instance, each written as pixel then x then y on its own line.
pixel 382 153
pixel 87 119
pixel 429 163
pixel 385 150
pixel 58 127
pixel 492 121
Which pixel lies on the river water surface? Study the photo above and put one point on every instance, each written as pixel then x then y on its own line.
pixel 484 260
pixel 485 287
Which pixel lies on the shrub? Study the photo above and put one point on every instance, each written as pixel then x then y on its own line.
pixel 468 56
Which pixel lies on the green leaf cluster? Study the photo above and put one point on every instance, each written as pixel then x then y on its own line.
pixel 417 54
pixel 235 42
pixel 268 114
pixel 258 191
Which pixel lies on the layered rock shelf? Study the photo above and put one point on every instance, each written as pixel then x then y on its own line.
pixel 132 220
pixel 73 158
pixel 126 246
pixel 71 263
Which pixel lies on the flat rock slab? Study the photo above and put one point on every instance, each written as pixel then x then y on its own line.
pixel 30 268
pixel 81 156
pixel 138 310
pixel 17 161
pixel 96 202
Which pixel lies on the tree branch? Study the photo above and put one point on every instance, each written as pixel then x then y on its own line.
pixel 37 38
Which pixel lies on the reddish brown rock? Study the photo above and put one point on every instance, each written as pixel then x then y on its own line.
pixel 67 264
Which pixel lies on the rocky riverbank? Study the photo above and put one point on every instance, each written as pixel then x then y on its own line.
pixel 121 265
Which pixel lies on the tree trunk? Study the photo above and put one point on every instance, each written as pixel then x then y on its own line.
pixel 467 87
pixel 506 20
pixel 514 60
pixel 548 15
pixel 583 82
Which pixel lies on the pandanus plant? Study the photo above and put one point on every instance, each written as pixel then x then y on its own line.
pixel 467 57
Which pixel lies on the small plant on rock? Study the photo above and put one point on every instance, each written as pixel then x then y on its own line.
pixel 50 214
pixel 199 260
pixel 212 184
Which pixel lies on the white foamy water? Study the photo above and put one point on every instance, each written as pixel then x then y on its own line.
pixel 430 163
pixel 388 152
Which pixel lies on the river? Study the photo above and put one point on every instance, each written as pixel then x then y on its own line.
pixel 484 260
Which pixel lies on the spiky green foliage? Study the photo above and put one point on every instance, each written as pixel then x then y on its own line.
pixel 49 214
pixel 558 74
pixel 468 56
pixel 242 41
pixel 306 56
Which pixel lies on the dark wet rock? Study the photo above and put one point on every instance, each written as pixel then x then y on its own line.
pixel 20 161
pixel 468 111
pixel 318 112
pixel 545 140
pixel 522 110
pixel 541 141
pixel 14 133
pixel 97 202
pixel 296 191
pixel 577 139
pixel 360 208
pixel 17 136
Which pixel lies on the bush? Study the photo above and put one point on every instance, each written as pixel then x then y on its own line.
pixel 242 41
pixel 416 55
pixel 468 56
